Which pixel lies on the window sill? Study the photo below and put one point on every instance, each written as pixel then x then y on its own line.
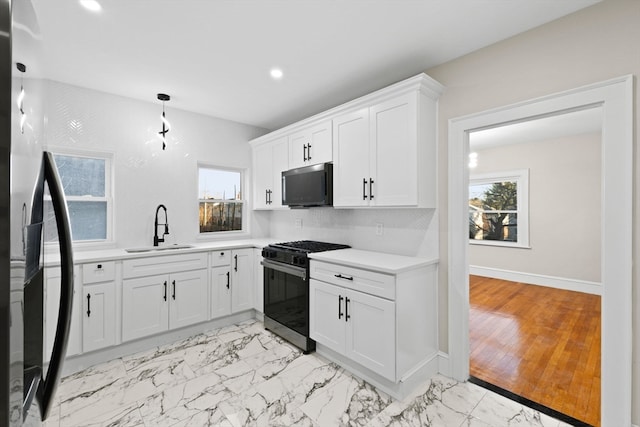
pixel 498 244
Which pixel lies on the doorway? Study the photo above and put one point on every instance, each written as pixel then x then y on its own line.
pixel 535 239
pixel 616 99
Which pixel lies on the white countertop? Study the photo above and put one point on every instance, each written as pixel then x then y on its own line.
pixel 375 261
pixel 120 253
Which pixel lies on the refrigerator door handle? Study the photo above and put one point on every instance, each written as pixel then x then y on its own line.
pixel 46 390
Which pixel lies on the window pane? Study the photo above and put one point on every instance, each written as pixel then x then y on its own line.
pixel 220 216
pixel 494 196
pixel 81 176
pixel 88 220
pixel 500 226
pixel 219 184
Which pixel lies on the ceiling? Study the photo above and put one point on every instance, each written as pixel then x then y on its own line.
pixel 214 56
pixel 560 125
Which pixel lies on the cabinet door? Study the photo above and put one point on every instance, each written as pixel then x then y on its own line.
pixel 241 280
pixel 370 334
pixel 394 152
pixel 280 161
pixel 99 316
pixel 189 296
pixel 326 315
pixel 220 292
pixel 262 176
pixel 311 146
pixel 145 306
pixel 351 159
pixel 52 306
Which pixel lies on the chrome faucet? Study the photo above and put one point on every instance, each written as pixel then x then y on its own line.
pixel 157 239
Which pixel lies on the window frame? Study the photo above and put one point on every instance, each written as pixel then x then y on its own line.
pixel 108 157
pixel 242 201
pixel 521 178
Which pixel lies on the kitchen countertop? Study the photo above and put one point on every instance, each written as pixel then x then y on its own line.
pixel 103 255
pixel 374 261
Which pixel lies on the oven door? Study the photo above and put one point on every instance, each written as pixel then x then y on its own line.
pixel 286 295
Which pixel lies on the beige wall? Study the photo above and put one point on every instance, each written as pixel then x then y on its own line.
pixel 592 45
pixel 564 207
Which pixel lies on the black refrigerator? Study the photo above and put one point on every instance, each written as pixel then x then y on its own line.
pixel 32 206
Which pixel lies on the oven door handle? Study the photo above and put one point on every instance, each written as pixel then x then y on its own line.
pixel 284 268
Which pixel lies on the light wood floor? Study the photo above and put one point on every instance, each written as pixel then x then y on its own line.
pixel 539 343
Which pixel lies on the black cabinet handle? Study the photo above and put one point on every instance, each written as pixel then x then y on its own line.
pixel 165 290
pixel 269 201
pixel 370 188
pixel 340 276
pixel 304 153
pixel 99 266
pixel 308 151
pixel 228 279
pixel 364 189
pixel 266 197
pixel 340 298
pixel 88 305
pixel 235 268
pixel 174 289
pixel 346 310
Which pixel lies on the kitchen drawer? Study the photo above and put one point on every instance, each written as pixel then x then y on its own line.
pixel 220 258
pixel 163 264
pixel 370 282
pixel 98 272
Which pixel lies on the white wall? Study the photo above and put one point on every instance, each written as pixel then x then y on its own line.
pixel 564 207
pixel 591 45
pixel 411 232
pixel 144 175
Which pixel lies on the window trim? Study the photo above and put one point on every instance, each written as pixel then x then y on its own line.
pixel 108 157
pixel 243 191
pixel 521 177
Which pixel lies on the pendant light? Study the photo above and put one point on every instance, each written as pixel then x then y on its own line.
pixel 23 116
pixel 166 126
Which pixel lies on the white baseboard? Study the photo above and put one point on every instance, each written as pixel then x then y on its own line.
pixel 576 285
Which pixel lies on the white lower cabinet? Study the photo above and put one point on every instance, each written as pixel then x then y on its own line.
pixel 52 306
pixel 99 316
pixel 157 303
pixel 242 280
pixel 376 311
pixel 98 305
pixel 232 286
pixel 258 281
pixel 220 291
pixel 360 326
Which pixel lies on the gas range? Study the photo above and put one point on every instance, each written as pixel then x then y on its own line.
pixel 286 289
pixel 295 253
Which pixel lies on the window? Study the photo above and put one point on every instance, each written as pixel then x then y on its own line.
pixel 86 181
pixel 220 199
pixel 499 209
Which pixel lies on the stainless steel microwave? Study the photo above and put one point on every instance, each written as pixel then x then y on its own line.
pixel 308 186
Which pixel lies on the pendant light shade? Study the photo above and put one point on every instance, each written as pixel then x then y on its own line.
pixel 166 126
pixel 23 116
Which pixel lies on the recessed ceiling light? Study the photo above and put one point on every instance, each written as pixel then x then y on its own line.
pixel 91 5
pixel 276 73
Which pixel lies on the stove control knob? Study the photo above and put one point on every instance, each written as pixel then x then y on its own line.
pixel 300 260
pixel 268 253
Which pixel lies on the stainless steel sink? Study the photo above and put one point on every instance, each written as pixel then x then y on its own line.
pixel 157 248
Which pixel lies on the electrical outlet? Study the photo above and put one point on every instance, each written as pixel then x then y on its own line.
pixel 298 222
pixel 379 229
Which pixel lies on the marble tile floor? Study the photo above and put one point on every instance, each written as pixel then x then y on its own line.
pixel 242 375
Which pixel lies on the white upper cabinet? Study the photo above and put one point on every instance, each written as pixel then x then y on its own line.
pixel 351 158
pixel 385 154
pixel 382 145
pixel 311 145
pixel 269 160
